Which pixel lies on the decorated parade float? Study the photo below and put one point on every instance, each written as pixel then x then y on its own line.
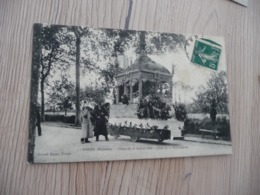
pixel 143 102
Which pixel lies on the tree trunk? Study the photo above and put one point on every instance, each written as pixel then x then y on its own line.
pixel 77 118
pixel 34 89
pixel 142 44
pixel 42 101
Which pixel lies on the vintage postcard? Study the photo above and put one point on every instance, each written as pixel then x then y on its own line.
pixel 110 94
pixel 242 2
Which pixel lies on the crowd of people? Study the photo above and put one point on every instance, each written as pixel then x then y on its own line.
pixel 153 108
pixel 150 107
pixel 94 122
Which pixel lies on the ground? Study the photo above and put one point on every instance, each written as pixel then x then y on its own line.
pixel 62 144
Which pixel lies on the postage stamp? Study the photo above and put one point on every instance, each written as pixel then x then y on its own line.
pixel 206 53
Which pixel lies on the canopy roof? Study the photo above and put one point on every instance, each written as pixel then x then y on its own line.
pixel 145 69
pixel 143 62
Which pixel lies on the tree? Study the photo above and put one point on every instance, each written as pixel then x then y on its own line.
pixel 109 76
pixel 34 89
pixel 106 45
pixel 49 53
pixel 87 41
pixel 159 43
pixel 62 94
pixel 79 33
pixel 91 95
pixel 54 56
pixel 214 93
pixel 180 111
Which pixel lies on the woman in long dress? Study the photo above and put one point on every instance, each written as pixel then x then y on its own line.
pixel 87 125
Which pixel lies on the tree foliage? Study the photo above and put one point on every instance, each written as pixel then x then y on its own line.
pixel 54 57
pixel 56 53
pixel 159 43
pixel 62 94
pixel 214 92
pixel 93 95
pixel 180 111
pixel 109 77
pixel 49 53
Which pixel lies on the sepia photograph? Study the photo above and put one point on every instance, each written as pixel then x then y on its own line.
pixel 109 94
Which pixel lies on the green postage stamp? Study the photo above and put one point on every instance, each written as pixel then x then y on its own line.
pixel 206 53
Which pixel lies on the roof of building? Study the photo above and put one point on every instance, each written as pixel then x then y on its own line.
pixel 143 62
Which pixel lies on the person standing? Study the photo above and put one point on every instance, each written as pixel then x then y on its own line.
pixel 38 121
pixel 213 116
pixel 213 112
pixel 125 99
pixel 86 125
pixel 101 115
